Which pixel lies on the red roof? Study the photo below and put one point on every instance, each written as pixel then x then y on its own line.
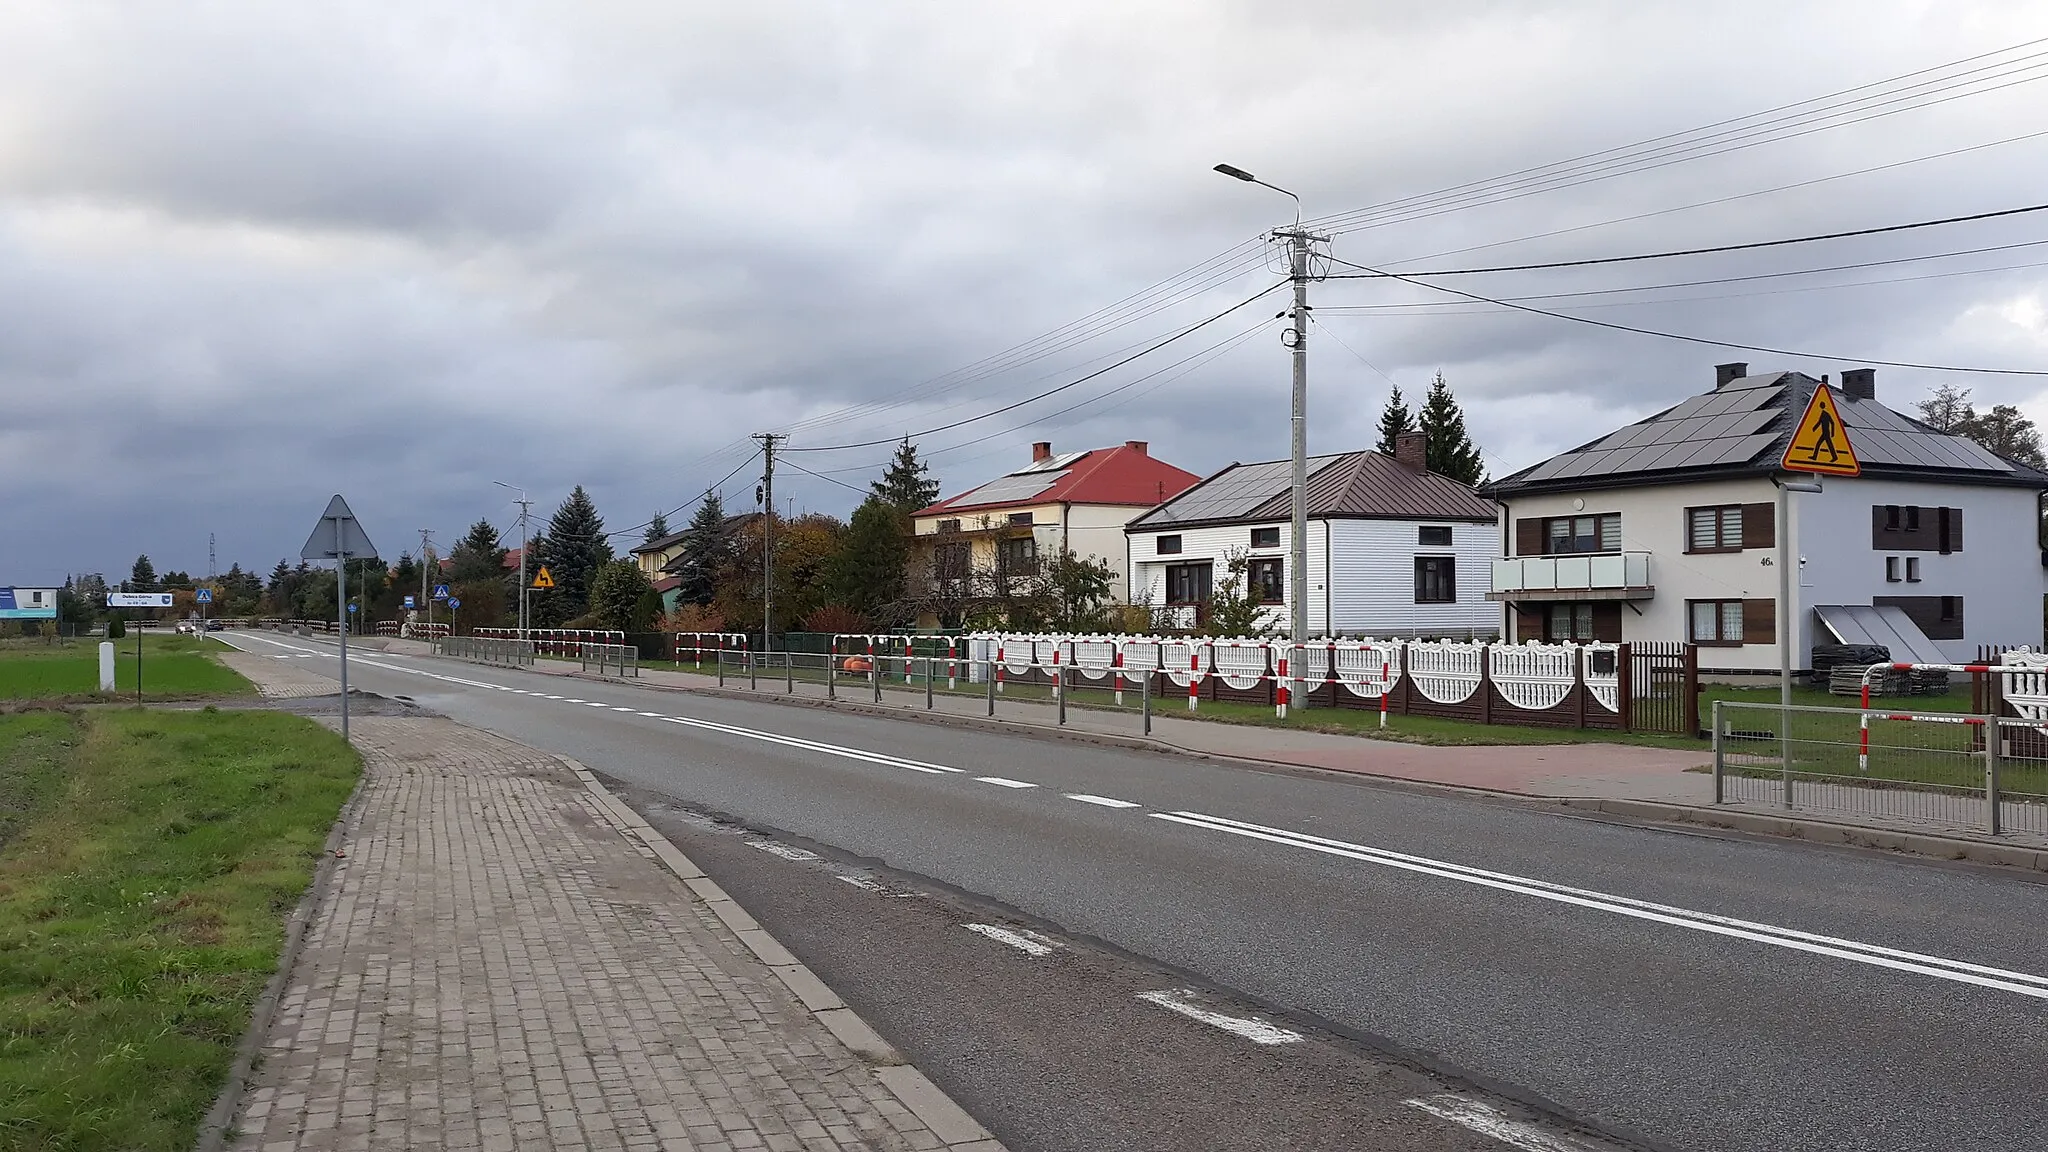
pixel 1125 475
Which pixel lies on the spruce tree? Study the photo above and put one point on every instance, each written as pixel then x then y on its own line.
pixel 867 571
pixel 143 575
pixel 1394 420
pixel 1451 451
pixel 479 555
pixel 575 548
pixel 656 528
pixel 907 484
pixel 704 553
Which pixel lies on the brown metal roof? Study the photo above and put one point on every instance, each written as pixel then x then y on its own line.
pixel 1363 485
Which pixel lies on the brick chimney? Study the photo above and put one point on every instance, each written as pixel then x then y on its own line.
pixel 1041 451
pixel 1723 373
pixel 1860 383
pixel 1137 446
pixel 1412 449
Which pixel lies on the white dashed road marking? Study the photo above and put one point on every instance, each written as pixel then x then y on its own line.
pixel 1490 1121
pixel 1182 1000
pixel 1030 943
pixel 1105 801
pixel 1003 782
pixel 784 850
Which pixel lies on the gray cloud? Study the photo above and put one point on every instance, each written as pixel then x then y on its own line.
pixel 253 254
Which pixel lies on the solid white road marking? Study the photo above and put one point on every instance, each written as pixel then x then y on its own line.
pixel 862 883
pixel 1487 1120
pixel 1941 967
pixel 1004 782
pixel 1181 1000
pixel 1105 801
pixel 1030 943
pixel 787 852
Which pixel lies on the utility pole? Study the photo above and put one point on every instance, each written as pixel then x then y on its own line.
pixel 427 572
pixel 525 508
pixel 211 562
pixel 1300 247
pixel 768 440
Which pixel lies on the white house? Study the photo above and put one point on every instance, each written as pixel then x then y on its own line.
pixel 1393 549
pixel 1666 530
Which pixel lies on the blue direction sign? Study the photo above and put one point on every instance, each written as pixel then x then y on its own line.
pixel 408 602
pixel 204 595
pixel 454 603
pixel 440 591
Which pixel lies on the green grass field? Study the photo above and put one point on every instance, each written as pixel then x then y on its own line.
pixel 143 893
pixel 173 668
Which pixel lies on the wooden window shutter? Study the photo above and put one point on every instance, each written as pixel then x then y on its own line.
pixel 1760 525
pixel 1759 621
pixel 1529 536
pixel 1952 536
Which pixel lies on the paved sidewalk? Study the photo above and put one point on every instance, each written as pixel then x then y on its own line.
pixel 496 965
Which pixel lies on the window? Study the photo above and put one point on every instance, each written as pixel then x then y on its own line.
pixel 1017 557
pixel 1566 534
pixel 1436 580
pixel 1717 529
pixel 1891 569
pixel 1166 545
pixel 1268 578
pixel 1891 517
pixel 1187 583
pixel 949 525
pixel 1433 536
pixel 1265 537
pixel 1912 518
pixel 1912 569
pixel 1020 517
pixel 1714 621
pixel 1910 528
pixel 950 562
pixel 1569 622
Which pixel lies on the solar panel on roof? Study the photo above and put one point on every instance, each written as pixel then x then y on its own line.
pixel 1009 488
pixel 1633 434
pixel 1689 407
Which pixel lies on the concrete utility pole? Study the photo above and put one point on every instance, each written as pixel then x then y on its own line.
pixel 1300 247
pixel 426 573
pixel 525 509
pixel 768 441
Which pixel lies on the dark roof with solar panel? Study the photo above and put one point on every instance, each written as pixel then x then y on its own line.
pixel 1347 486
pixel 1740 429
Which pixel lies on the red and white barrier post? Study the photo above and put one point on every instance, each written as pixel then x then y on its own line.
pixel 999 667
pixel 1194 680
pixel 1116 661
pixel 1280 688
pixel 1386 669
pixel 952 663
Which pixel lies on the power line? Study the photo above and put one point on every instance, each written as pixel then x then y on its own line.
pixel 1190 330
pixel 1703 251
pixel 827 479
pixel 1694 339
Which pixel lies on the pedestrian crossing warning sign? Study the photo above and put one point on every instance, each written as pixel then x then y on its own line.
pixel 542 579
pixel 1820 443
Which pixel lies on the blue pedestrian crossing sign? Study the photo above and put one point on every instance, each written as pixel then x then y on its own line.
pixel 204 596
pixel 440 591
pixel 408 602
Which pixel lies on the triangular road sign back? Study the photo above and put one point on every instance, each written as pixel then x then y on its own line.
pixel 1821 443
pixel 542 579
pixel 323 544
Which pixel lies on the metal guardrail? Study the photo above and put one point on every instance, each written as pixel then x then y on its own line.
pixel 610 659
pixel 1942 769
pixel 485 650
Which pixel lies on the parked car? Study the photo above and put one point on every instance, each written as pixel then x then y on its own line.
pixel 214 626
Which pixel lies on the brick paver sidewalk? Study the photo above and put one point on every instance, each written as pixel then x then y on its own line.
pixel 494 965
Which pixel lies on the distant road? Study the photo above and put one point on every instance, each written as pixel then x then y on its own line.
pixel 1693 990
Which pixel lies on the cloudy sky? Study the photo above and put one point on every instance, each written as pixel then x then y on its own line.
pixel 254 254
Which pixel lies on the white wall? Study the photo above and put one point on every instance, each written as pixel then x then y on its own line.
pixel 1373 578
pixel 1096 532
pixel 1998 573
pixel 1148 568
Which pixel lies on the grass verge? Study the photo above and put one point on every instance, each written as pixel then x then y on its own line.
pixel 173 668
pixel 142 908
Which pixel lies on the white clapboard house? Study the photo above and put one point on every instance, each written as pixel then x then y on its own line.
pixel 1393 549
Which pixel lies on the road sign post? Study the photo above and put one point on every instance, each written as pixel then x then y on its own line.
pixel 1819 445
pixel 339 536
pixel 453 604
pixel 138 600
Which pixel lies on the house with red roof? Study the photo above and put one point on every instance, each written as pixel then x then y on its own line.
pixel 1075 501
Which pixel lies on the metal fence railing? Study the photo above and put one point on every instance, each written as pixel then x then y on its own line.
pixel 610 659
pixel 485 650
pixel 1948 770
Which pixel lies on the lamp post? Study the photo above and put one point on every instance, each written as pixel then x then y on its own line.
pixel 524 506
pixel 1298 241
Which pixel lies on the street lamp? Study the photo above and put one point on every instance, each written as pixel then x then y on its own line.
pixel 1298 241
pixel 524 504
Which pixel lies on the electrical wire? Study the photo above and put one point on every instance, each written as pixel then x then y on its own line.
pixel 828 479
pixel 1751 246
pixel 1188 331
pixel 1695 339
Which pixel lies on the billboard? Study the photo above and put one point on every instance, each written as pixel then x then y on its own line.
pixel 28 603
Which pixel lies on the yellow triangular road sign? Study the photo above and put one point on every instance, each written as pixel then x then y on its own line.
pixel 541 579
pixel 1820 443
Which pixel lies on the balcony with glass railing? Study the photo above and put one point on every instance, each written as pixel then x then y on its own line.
pixel 1584 576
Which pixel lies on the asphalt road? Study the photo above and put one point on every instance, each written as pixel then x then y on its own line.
pixel 1674 989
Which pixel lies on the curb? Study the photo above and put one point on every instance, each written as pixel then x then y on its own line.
pixel 1810 830
pixel 213 1129
pixel 956 1130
